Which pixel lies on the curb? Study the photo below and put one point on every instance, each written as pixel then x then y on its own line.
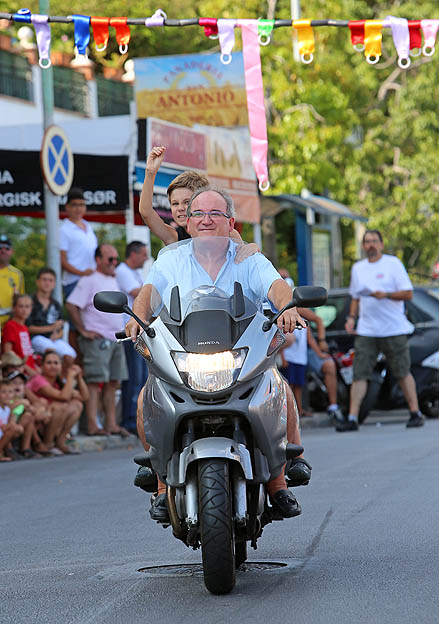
pixel 85 444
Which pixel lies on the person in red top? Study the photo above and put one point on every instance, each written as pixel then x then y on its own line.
pixel 15 335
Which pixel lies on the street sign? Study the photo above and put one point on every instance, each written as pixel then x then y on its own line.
pixel 56 159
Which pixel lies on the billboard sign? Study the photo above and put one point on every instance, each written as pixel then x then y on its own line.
pixel 192 88
pixel 104 180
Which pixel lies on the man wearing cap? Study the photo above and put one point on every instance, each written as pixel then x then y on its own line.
pixel 11 279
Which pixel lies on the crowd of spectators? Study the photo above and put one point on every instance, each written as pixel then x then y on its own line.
pixel 52 371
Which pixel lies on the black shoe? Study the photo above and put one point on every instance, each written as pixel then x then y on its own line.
pixel 347 425
pixel 146 479
pixel 299 472
pixel 416 420
pixel 285 502
pixel 159 509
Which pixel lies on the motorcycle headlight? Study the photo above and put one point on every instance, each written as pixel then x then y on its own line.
pixel 209 372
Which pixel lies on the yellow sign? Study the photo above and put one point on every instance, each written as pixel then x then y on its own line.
pixel 194 88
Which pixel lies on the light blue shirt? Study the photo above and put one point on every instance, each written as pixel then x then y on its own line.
pixel 180 267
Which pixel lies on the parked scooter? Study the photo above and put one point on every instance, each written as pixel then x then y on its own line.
pixel 215 417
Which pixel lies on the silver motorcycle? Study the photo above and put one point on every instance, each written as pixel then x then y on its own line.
pixel 215 414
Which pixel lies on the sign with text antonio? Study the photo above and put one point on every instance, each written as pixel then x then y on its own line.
pixel 192 88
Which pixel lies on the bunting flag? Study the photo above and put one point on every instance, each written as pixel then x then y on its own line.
pixel 255 100
pixel 265 28
pixel 373 36
pixel 42 32
pixel 429 29
pixel 100 32
pixel 81 33
pixel 401 39
pixel 415 37
pixel 357 34
pixel 210 27
pixel 226 35
pixel 123 33
pixel 305 40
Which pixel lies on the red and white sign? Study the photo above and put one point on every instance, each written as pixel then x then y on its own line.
pixel 185 147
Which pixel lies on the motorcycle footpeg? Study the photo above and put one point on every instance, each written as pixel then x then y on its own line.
pixel 143 460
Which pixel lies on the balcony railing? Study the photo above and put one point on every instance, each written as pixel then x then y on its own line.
pixel 113 97
pixel 70 90
pixel 15 76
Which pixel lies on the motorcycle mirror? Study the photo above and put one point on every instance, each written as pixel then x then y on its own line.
pixel 110 301
pixel 303 297
pixel 116 302
pixel 309 296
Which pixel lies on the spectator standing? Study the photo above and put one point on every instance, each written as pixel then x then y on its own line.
pixel 16 337
pixel 11 279
pixel 45 323
pixel 103 358
pixel 130 281
pixel 379 286
pixel 77 242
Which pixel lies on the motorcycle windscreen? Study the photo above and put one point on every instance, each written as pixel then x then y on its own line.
pixel 206 290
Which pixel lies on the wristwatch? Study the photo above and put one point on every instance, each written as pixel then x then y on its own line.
pixel 350 316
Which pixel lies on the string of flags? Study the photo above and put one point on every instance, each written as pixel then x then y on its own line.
pixel 411 38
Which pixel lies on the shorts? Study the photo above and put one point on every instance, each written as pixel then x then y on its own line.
pixel 395 348
pixel 295 374
pixel 315 362
pixel 102 360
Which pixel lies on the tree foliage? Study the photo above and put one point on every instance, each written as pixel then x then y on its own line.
pixel 367 135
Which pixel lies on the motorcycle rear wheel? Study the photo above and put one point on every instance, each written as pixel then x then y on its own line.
pixel 216 526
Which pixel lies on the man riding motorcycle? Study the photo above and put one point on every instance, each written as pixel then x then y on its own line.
pixel 211 214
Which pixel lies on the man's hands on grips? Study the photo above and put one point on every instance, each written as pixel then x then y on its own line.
pixel 132 329
pixel 155 158
pixel 287 322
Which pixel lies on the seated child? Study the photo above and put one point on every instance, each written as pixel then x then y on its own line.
pixel 9 429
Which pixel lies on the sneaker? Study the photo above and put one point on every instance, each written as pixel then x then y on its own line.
pixel 336 415
pixel 416 420
pixel 159 509
pixel 299 472
pixel 347 425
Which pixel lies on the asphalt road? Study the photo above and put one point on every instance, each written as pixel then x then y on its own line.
pixel 74 532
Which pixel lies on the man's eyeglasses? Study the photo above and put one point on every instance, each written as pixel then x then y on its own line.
pixel 113 259
pixel 4 246
pixel 213 214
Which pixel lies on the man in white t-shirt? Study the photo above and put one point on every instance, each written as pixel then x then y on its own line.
pixel 379 287
pixel 130 280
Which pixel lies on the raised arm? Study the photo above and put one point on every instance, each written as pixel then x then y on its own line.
pixel 165 232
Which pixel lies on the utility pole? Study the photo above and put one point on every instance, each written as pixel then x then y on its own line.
pixel 295 14
pixel 50 200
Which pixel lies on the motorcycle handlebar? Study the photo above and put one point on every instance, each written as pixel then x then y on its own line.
pixel 120 335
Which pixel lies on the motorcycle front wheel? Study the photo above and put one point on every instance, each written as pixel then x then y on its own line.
pixel 216 526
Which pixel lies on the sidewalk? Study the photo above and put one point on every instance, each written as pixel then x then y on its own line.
pixel 375 418
pixel 86 443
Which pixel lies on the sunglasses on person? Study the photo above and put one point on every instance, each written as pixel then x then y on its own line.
pixel 213 214
pixel 5 246
pixel 113 259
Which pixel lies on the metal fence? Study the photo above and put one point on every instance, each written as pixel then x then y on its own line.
pixel 15 76
pixel 70 90
pixel 113 97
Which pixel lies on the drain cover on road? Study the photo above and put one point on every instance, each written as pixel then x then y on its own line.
pixel 196 569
